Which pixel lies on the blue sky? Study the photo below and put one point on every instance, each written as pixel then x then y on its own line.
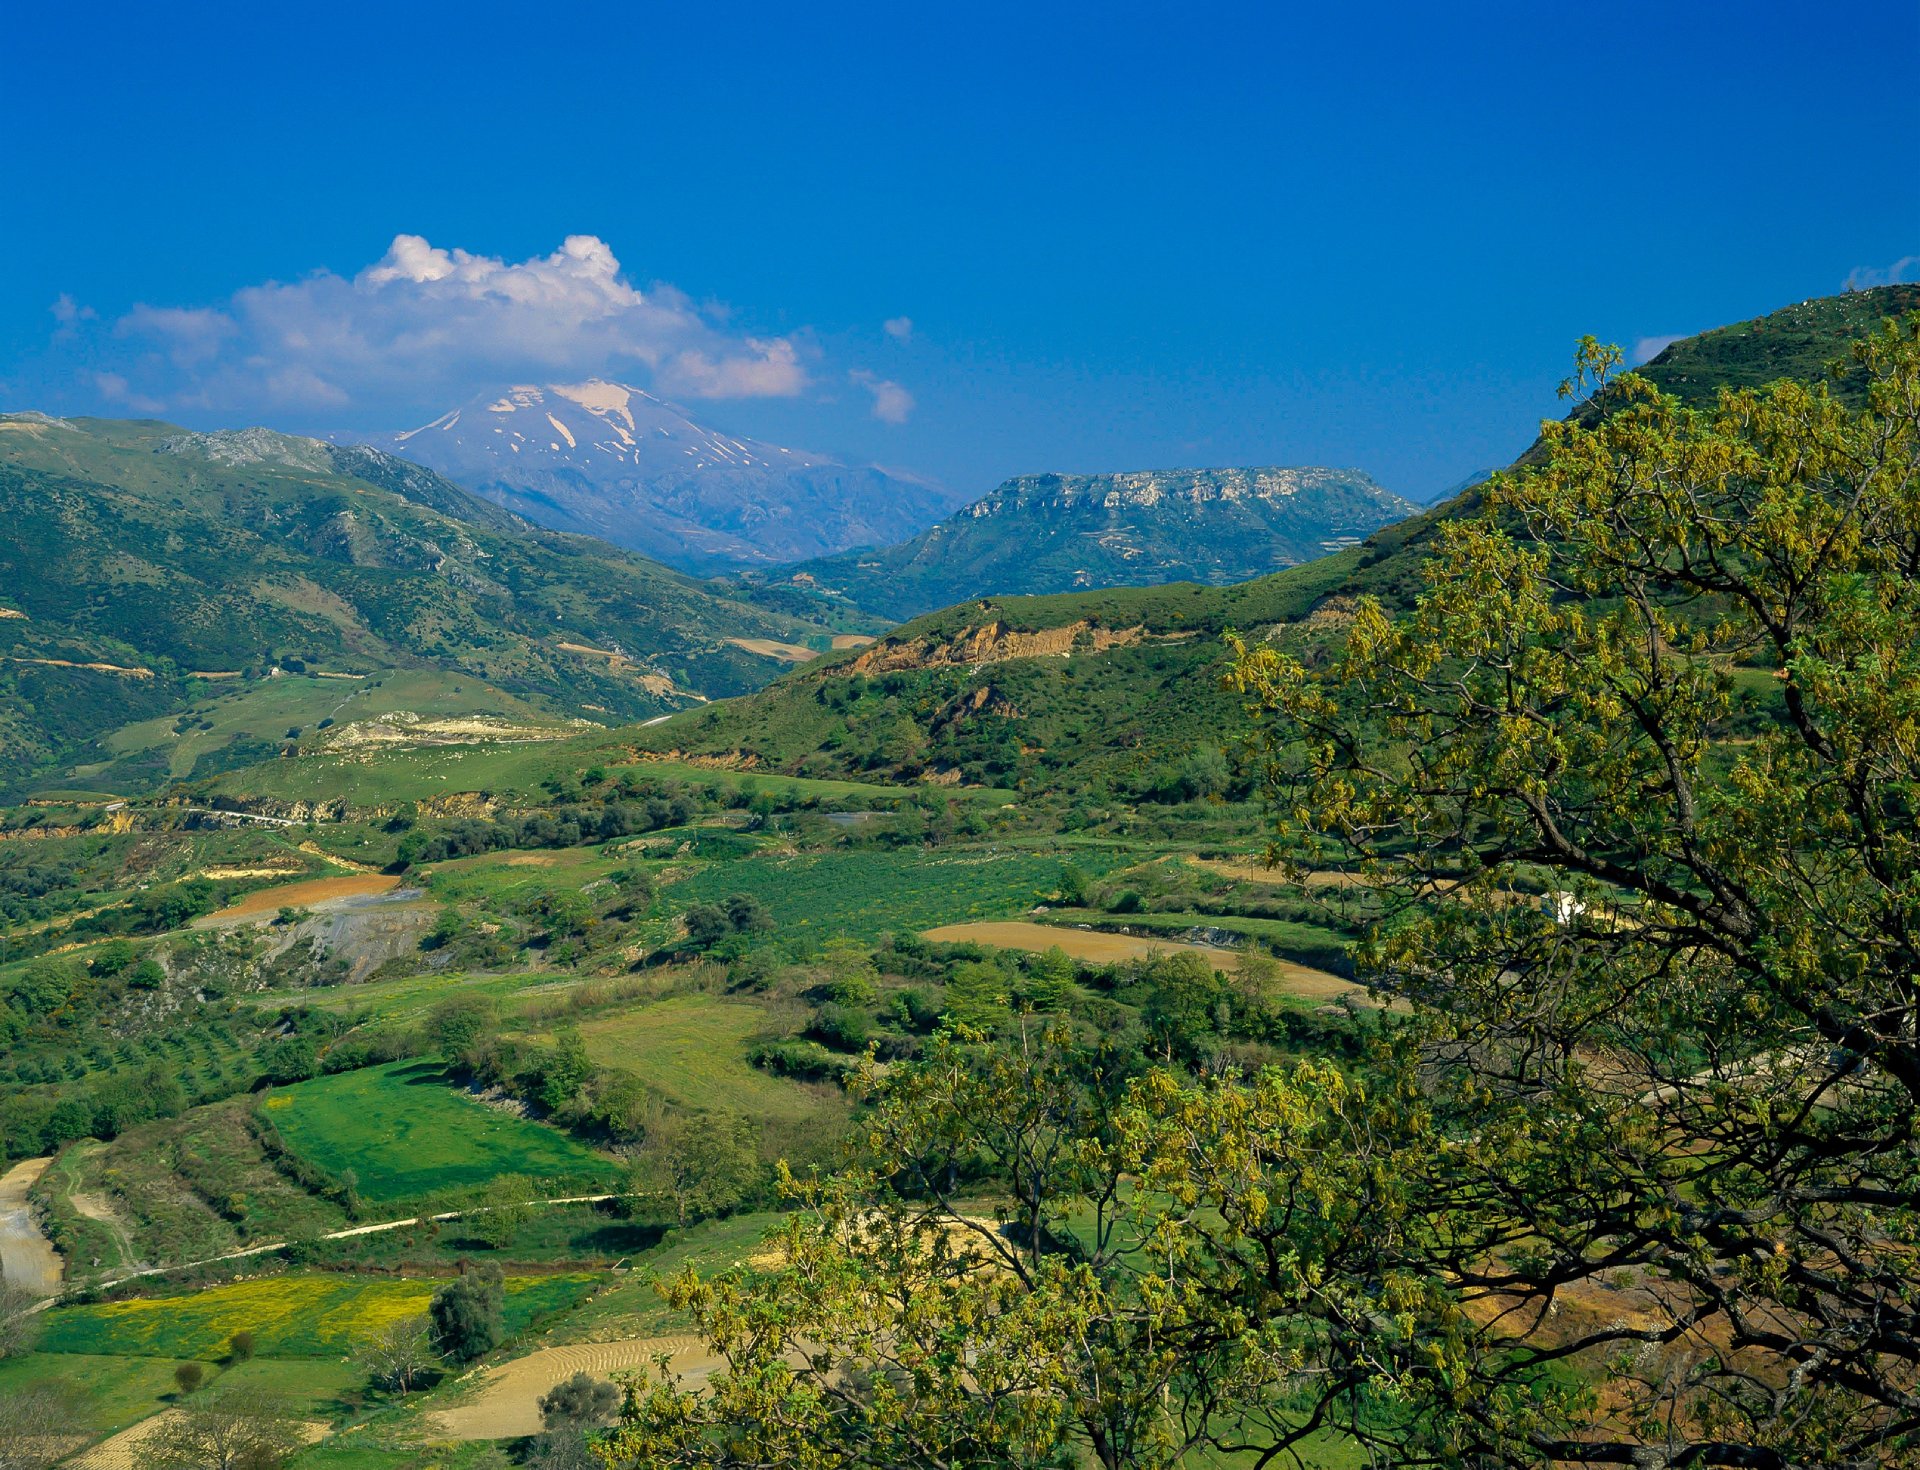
pixel 1123 236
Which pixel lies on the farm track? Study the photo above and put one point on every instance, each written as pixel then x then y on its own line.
pixel 97 1208
pixel 506 1402
pixel 27 1257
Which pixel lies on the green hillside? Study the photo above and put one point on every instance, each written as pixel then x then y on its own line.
pixel 1114 686
pixel 1057 533
pixel 150 577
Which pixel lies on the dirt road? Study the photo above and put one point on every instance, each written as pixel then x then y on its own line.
pixel 27 1257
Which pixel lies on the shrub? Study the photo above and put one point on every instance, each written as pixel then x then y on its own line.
pixel 579 1402
pixel 465 1315
pixel 841 1027
pixel 804 1061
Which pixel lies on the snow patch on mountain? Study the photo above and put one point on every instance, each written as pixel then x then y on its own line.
pixel 617 462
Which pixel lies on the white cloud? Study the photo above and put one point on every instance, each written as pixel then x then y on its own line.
pixel 114 388
pixel 900 328
pixel 769 368
pixel 425 325
pixel 67 312
pixel 1648 348
pixel 1864 277
pixel 192 334
pixel 891 403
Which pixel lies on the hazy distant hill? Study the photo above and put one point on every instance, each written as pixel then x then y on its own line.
pixel 615 462
pixel 144 568
pixel 1056 533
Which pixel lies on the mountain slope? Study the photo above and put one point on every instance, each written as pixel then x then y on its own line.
pixel 138 556
pixel 615 462
pixel 1055 533
pixel 1106 693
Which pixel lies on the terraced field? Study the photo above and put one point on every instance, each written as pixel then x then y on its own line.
pixel 862 894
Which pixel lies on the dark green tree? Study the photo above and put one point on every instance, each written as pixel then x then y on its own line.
pixel 464 1316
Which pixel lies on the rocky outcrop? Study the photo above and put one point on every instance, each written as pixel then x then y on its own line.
pixel 991 643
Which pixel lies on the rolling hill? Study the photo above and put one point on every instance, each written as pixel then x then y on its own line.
pixel 1059 533
pixel 148 573
pixel 1106 693
pixel 608 460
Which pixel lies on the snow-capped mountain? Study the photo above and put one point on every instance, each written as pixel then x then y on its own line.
pixel 616 462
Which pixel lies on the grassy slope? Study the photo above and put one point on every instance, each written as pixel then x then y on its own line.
pixel 405 1134
pixel 124 553
pixel 1095 722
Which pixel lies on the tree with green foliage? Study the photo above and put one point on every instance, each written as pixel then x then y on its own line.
pixel 703 1164
pixel 504 1211
pixel 455 1027
pixel 748 915
pixel 1045 981
pixel 979 996
pixel 707 924
pixel 564 1070
pixel 1684 1083
pixel 1184 994
pixel 568 1412
pixel 188 1377
pixel 464 1316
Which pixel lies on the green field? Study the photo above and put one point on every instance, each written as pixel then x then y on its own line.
pixel 405 1134
pixel 514 876
pixel 310 1316
pixel 862 894
pixel 108 1393
pixel 692 1049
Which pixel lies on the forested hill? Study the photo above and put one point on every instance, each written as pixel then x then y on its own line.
pixel 145 571
pixel 1110 692
pixel 1057 533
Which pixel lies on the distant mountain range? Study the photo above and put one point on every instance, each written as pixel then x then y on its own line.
pixel 149 573
pixel 1062 533
pixel 613 461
